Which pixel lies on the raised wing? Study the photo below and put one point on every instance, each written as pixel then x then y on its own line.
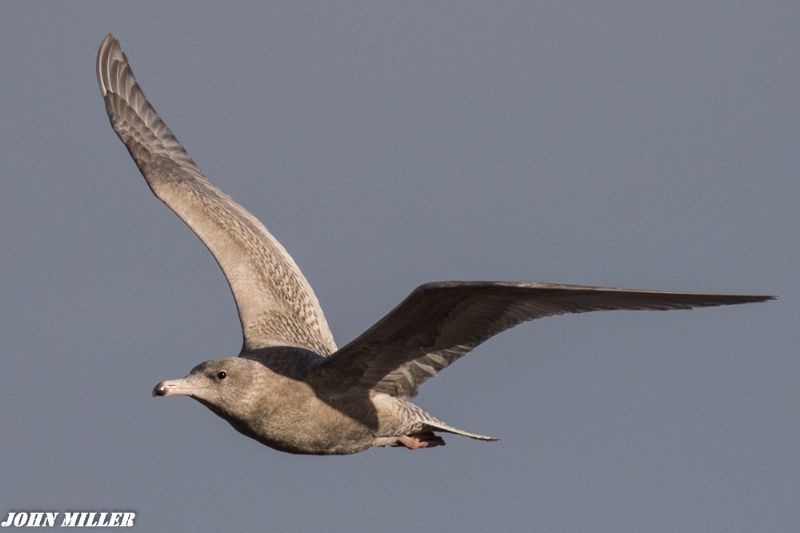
pixel 440 322
pixel 275 302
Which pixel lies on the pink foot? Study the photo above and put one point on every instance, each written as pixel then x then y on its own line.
pixel 420 440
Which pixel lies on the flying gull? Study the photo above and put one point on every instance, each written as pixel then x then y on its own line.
pixel 291 388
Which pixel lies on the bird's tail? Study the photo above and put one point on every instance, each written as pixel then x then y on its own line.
pixel 438 425
pixel 416 413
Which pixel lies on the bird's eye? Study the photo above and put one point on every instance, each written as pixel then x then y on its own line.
pixel 222 374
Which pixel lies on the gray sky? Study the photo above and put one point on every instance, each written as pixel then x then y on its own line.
pixel 649 145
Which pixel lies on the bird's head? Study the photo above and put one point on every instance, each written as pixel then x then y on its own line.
pixel 225 385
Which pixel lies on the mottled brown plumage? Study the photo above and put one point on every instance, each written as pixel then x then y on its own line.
pixel 275 302
pixel 290 388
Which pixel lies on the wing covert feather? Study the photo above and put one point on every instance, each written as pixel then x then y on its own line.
pixel 276 305
pixel 440 322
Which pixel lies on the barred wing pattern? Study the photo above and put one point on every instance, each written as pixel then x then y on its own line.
pixel 440 322
pixel 276 305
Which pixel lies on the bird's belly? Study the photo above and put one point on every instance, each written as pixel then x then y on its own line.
pixel 312 426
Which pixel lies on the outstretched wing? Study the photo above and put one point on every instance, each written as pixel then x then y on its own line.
pixel 440 322
pixel 275 302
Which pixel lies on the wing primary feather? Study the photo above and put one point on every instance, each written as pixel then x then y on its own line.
pixel 276 304
pixel 440 322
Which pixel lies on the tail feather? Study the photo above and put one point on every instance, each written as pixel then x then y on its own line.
pixel 441 426
pixel 414 414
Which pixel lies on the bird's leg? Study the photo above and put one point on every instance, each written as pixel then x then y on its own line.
pixel 426 439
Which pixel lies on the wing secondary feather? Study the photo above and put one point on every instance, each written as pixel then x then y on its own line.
pixel 276 304
pixel 442 321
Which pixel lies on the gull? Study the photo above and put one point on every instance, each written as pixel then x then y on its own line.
pixel 290 387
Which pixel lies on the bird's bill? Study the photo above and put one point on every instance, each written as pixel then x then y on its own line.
pixel 174 387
